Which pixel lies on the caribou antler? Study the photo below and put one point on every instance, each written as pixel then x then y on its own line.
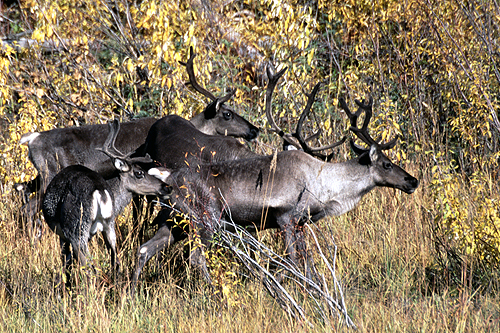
pixel 225 98
pixel 362 133
pixel 298 131
pixel 273 80
pixel 192 81
pixel 302 143
pixel 109 148
pixel 192 77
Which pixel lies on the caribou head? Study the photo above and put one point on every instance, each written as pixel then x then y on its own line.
pixel 384 172
pixel 218 118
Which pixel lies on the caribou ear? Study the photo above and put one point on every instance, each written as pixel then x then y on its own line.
pixel 211 110
pixel 374 153
pixel 121 165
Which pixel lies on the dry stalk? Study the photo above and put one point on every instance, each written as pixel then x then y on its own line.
pixel 328 298
pixel 245 247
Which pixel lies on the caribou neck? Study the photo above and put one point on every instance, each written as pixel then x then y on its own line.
pixel 202 124
pixel 122 196
pixel 340 186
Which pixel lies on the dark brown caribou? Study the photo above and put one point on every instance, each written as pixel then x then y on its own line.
pixel 283 191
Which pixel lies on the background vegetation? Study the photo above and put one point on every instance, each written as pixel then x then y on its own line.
pixel 426 262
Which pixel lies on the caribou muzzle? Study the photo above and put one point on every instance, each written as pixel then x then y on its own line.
pixel 410 185
pixel 253 132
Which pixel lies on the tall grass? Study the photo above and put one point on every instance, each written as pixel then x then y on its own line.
pixel 385 246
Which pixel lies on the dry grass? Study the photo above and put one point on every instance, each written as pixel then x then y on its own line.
pixel 384 249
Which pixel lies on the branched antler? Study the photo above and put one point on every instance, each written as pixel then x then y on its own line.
pixel 109 146
pixel 298 130
pixel 289 138
pixel 273 80
pixel 192 81
pixel 362 133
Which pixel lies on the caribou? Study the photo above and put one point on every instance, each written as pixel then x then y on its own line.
pixel 283 190
pixel 51 151
pixel 176 143
pixel 79 202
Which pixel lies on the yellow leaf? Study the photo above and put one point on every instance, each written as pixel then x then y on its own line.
pixel 310 57
pixel 38 35
pixel 130 65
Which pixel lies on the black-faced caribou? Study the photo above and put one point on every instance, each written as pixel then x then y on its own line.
pixel 282 191
pixel 79 202
pixel 53 150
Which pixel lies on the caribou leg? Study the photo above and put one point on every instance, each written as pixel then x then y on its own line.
pixel 110 241
pixel 167 235
pixel 295 244
pixel 66 260
pixel 160 241
pixel 303 253
pixel 287 228
pixel 137 207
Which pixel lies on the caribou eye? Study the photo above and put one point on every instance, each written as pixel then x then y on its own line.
pixel 387 165
pixel 139 174
pixel 227 115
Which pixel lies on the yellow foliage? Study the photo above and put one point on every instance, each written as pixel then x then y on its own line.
pixel 470 221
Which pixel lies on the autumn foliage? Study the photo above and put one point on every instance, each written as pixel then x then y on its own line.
pixel 431 66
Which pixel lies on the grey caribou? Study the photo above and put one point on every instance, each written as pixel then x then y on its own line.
pixel 282 191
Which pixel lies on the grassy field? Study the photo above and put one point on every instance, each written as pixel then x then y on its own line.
pixel 385 248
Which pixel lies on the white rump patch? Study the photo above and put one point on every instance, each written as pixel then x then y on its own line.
pixel 28 138
pixel 102 207
pixel 143 250
pixel 160 174
pixel 97 226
